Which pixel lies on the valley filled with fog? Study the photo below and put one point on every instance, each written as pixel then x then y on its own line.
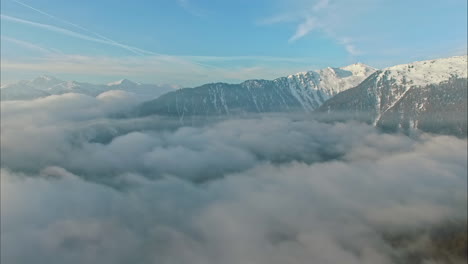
pixel 80 185
pixel 233 132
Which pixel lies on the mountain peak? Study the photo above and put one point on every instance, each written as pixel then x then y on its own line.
pixel 359 69
pixel 124 82
pixel 358 65
pixel 422 73
pixel 45 81
pixel 45 78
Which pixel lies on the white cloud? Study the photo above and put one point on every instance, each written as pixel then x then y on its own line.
pixel 28 45
pixel 284 189
pixel 325 16
pixel 304 28
pixel 352 50
pixel 349 46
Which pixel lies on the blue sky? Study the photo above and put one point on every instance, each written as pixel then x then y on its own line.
pixel 190 42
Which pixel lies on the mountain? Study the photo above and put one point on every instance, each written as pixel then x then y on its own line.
pixel 44 81
pixel 43 86
pixel 21 91
pixel 123 83
pixel 428 95
pixel 299 92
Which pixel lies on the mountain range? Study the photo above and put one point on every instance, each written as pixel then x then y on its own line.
pixel 299 92
pixel 426 95
pixel 45 85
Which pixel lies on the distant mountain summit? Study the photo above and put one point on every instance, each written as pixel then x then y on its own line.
pixel 299 92
pixel 428 95
pixel 44 81
pixel 45 85
pixel 123 82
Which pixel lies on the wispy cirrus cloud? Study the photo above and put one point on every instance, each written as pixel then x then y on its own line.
pixel 28 45
pixel 304 28
pixel 349 46
pixel 325 16
pixel 55 18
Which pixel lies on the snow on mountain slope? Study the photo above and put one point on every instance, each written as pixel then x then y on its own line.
pixel 123 82
pixel 299 92
pixel 21 91
pixel 408 93
pixel 44 81
pixel 331 81
pixel 422 73
pixel 417 74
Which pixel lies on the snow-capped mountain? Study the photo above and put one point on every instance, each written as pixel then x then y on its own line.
pixel 429 95
pixel 123 83
pixel 43 86
pixel 299 92
pixel 21 91
pixel 44 81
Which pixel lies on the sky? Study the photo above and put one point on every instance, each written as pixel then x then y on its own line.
pixel 191 42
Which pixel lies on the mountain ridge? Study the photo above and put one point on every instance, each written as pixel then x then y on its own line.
pixel 410 96
pixel 303 91
pixel 46 85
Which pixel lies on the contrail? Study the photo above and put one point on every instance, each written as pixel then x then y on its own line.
pixel 100 38
pixel 28 45
pixel 66 32
pixel 115 43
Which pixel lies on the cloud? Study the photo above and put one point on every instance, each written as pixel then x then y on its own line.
pixel 80 187
pixel 349 46
pixel 304 28
pixel 54 17
pixel 324 16
pixel 28 45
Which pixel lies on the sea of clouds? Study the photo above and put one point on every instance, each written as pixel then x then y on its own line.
pixel 80 187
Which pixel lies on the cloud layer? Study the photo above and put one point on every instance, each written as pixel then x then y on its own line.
pixel 79 187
